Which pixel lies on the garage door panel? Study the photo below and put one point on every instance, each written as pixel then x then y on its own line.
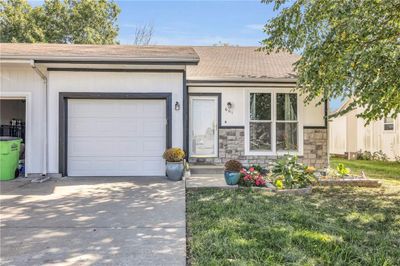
pixel 116 166
pixel 116 137
pixel 117 108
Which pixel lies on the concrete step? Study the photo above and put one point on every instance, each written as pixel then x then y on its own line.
pixel 206 169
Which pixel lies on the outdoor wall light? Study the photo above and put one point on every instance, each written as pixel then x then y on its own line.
pixel 177 106
pixel 229 106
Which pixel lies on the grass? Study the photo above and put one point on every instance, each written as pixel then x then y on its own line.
pixel 387 171
pixel 333 226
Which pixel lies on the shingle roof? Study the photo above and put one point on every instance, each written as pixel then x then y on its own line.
pixel 214 62
pixel 98 52
pixel 225 62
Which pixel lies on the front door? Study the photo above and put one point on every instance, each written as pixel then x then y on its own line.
pixel 203 128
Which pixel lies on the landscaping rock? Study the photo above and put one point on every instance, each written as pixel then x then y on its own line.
pixel 353 182
pixel 296 191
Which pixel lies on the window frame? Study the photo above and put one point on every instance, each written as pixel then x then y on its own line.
pixel 392 123
pixel 273 151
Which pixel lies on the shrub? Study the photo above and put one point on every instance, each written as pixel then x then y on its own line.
pixel 364 155
pixel 174 155
pixel 342 170
pixel 252 177
pixel 376 156
pixel 379 156
pixel 290 174
pixel 397 158
pixel 233 166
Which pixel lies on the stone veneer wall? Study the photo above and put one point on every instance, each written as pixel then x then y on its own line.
pixel 231 146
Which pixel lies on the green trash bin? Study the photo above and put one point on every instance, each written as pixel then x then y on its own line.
pixel 9 157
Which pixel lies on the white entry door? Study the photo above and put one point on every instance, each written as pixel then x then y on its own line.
pixel 203 126
pixel 116 137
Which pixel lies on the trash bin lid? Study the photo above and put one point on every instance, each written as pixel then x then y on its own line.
pixel 8 138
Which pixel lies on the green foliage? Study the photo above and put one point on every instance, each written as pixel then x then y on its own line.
pixel 233 166
pixel 342 170
pixel 349 49
pixel 174 155
pixel 291 173
pixel 364 155
pixel 379 156
pixel 57 21
pixel 389 171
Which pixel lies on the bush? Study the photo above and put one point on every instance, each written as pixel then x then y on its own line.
pixel 233 166
pixel 376 156
pixel 290 174
pixel 174 155
pixel 252 177
pixel 364 155
pixel 342 170
pixel 379 156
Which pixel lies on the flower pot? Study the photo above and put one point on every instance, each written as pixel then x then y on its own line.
pixel 232 178
pixel 175 170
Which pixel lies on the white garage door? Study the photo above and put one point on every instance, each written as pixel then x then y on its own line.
pixel 116 137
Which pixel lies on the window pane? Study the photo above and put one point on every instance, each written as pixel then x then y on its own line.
pixel 286 106
pixel 286 136
pixel 260 106
pixel 260 136
pixel 389 120
pixel 389 126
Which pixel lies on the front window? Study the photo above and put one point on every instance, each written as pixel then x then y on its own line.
pixel 388 124
pixel 260 121
pixel 286 121
pixel 273 124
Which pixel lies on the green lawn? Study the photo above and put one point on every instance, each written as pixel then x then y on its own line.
pixel 387 171
pixel 333 226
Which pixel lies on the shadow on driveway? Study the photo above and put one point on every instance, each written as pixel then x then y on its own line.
pixel 87 221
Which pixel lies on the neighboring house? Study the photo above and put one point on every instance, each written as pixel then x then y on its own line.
pixel 348 134
pixel 112 110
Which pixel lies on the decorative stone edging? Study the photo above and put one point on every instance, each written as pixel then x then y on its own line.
pixel 295 191
pixel 360 182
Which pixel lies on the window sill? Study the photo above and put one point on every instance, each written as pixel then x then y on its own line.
pixel 278 153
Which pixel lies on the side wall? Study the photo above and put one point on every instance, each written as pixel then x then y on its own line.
pixel 21 82
pixel 349 134
pixel 232 132
pixel 116 82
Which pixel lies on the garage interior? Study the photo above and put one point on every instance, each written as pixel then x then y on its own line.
pixel 12 124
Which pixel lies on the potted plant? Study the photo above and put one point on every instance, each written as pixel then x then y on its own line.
pixel 232 172
pixel 175 163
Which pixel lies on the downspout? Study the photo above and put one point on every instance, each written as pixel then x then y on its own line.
pixel 44 78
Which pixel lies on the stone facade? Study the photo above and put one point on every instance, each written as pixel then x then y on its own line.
pixel 231 146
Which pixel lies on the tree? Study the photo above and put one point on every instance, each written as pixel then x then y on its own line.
pixel 57 21
pixel 143 35
pixel 349 48
pixel 16 23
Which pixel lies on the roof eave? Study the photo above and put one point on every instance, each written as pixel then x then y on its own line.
pixel 240 80
pixel 104 60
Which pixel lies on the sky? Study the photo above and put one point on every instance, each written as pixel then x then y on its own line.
pixel 201 22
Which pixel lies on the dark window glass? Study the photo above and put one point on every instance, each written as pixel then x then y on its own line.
pixel 260 106
pixel 260 136
pixel 286 136
pixel 286 106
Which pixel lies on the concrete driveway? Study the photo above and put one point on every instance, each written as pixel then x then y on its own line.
pixel 92 221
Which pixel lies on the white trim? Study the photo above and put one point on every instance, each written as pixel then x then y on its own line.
pixel 215 99
pixel 27 96
pixel 300 114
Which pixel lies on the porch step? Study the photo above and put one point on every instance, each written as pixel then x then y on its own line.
pixel 206 169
